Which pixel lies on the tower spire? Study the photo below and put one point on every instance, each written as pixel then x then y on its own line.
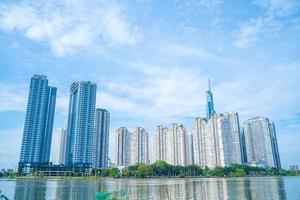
pixel 209 102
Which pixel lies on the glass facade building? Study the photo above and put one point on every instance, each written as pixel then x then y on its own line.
pixel 209 102
pixel 38 127
pixel 101 139
pixel 80 127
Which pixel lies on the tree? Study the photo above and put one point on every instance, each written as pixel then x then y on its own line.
pixel 161 168
pixel 193 170
pixel 217 171
pixel 239 173
pixel 144 170
pixel 114 172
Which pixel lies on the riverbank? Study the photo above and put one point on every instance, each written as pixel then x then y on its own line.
pixel 131 178
pixel 161 169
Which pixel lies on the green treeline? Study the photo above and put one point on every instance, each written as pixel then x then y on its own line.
pixel 163 169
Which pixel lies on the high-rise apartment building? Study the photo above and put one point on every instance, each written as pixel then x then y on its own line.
pixel 160 144
pixel 101 139
pixel 63 145
pixel 202 138
pixel 122 147
pixel 139 146
pixel 215 145
pixel 217 141
pixel 177 145
pixel 233 137
pixel 38 127
pixel 190 149
pixel 261 142
pixel 80 128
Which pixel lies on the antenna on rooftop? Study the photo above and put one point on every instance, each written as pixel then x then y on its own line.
pixel 209 86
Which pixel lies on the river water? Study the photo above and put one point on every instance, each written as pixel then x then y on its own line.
pixel 263 188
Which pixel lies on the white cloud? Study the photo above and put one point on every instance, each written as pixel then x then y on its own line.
pixel 203 4
pixel 158 94
pixel 10 144
pixel 12 97
pixel 67 26
pixel 279 7
pixel 179 50
pixel 248 33
pixel 209 4
pixel 275 17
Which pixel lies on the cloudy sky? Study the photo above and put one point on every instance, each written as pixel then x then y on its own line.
pixel 151 60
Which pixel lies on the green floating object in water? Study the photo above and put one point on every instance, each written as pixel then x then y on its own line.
pixel 119 195
pixel 103 196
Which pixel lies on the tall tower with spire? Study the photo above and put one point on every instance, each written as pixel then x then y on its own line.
pixel 209 102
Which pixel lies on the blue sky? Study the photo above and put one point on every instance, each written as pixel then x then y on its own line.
pixel 151 60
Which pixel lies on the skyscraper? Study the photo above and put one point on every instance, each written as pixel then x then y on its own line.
pixel 80 128
pixel 190 149
pixel 160 144
pixel 209 102
pixel 261 143
pixel 202 138
pixel 217 141
pixel 177 145
pixel 139 146
pixel 38 127
pixel 275 149
pixel 122 147
pixel 63 145
pixel 101 139
pixel 233 137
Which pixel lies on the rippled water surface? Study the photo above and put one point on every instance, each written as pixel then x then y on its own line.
pixel 188 188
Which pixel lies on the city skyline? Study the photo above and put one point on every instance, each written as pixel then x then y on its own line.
pixel 218 139
pixel 152 67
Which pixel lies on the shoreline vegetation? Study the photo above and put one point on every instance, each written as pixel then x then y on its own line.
pixel 161 169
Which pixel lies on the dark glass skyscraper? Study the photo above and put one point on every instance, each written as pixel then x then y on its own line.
pixel 275 150
pixel 101 139
pixel 38 127
pixel 80 128
pixel 209 102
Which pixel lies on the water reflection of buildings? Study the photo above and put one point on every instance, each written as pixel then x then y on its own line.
pixel 213 188
pixel 75 189
pixel 30 189
pixel 170 189
pixel 265 188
